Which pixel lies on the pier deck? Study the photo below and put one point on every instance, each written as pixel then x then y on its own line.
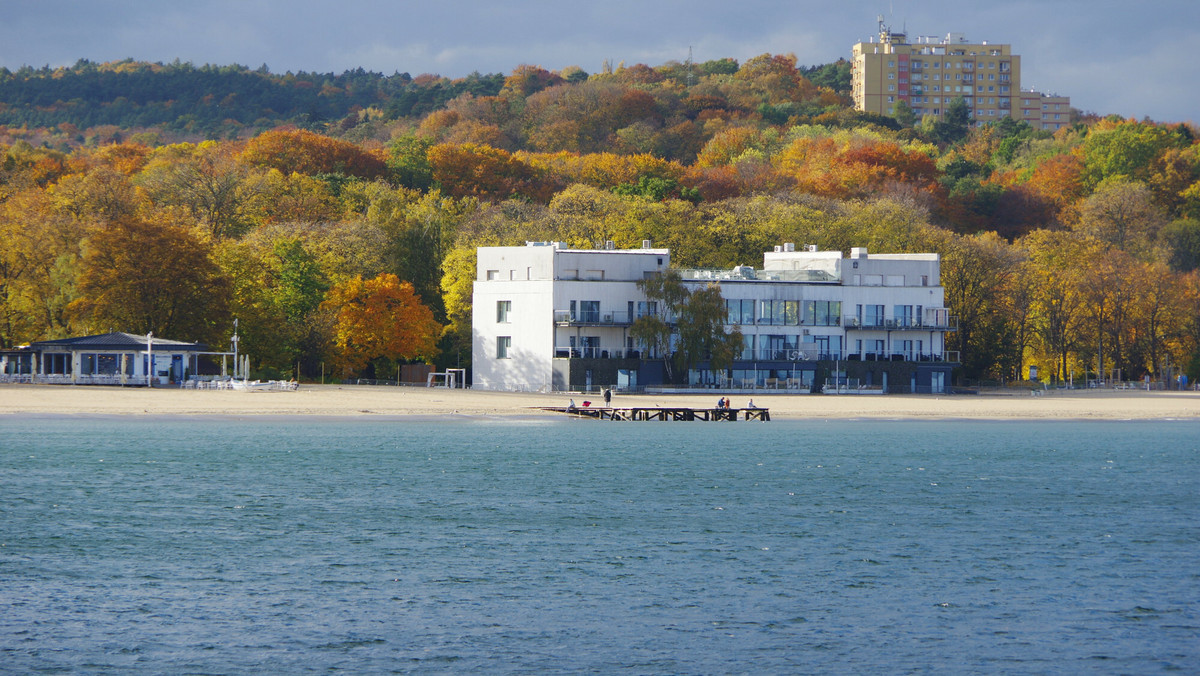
pixel 662 413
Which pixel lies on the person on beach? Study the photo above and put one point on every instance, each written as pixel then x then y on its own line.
pixel 571 405
pixel 607 397
pixel 721 402
pixel 750 404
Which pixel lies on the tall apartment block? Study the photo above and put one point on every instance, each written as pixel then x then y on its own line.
pixel 931 72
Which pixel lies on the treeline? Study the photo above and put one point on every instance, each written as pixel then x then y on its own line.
pixel 214 101
pixel 354 248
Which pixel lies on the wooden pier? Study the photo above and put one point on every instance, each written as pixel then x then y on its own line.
pixel 662 413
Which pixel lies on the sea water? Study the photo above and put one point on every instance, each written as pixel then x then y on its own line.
pixel 521 546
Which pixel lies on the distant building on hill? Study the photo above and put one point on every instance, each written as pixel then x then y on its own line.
pixel 928 73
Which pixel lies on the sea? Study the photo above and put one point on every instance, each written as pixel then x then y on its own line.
pixel 540 545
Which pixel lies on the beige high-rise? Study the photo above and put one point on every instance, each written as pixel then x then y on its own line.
pixel 929 73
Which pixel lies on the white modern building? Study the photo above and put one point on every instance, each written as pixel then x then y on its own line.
pixel 547 318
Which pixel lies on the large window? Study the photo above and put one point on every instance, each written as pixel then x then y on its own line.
pixel 503 345
pixel 503 307
pixel 739 311
pixel 590 346
pixel 870 315
pixel 779 312
pixel 822 312
pixel 589 311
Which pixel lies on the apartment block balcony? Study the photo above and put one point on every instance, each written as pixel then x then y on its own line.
pixel 938 322
pixel 810 353
pixel 593 352
pixel 604 317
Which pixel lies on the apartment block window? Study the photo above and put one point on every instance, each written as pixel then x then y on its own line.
pixel 503 307
pixel 870 315
pixel 891 88
pixel 822 312
pixel 980 89
pixel 589 311
pixel 739 311
pixel 891 64
pixel 493 275
pixel 891 76
pixel 992 77
pixel 779 312
pixel 503 345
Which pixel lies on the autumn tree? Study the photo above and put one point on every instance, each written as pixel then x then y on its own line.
pixel 1122 214
pixel 379 318
pixel 486 173
pixel 142 277
pixel 301 151
pixel 205 179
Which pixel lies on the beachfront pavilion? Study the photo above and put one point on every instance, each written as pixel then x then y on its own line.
pixel 109 359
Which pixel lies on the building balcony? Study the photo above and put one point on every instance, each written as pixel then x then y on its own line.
pixel 576 352
pixel 602 318
pixel 936 323
pixel 809 352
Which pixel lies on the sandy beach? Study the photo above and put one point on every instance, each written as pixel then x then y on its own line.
pixel 380 401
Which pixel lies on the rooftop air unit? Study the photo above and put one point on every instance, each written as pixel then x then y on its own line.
pixel 789 246
pixel 645 244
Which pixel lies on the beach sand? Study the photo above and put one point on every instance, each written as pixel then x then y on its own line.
pixel 353 401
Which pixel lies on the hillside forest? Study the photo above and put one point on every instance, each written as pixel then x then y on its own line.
pixel 337 216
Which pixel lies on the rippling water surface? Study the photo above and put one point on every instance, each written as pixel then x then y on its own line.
pixel 528 546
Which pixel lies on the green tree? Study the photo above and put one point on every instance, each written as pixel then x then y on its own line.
pixel 955 123
pixel 1183 239
pixel 904 114
pixel 702 333
pixel 408 162
pixel 654 330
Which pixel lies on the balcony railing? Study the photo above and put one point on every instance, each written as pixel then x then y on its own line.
pixel 604 318
pixel 911 323
pixel 568 352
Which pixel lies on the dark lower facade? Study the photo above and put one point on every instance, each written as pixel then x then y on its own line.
pixel 857 376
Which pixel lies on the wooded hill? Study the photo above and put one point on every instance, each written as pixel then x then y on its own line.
pixel 1058 250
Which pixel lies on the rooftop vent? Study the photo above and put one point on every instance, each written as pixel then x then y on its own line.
pixel 645 244
pixel 812 248
pixel 789 246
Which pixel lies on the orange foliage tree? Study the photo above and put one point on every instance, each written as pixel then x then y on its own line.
pixel 491 174
pixel 379 318
pixel 303 152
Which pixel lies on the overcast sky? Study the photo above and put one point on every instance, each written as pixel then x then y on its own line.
pixel 1132 58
